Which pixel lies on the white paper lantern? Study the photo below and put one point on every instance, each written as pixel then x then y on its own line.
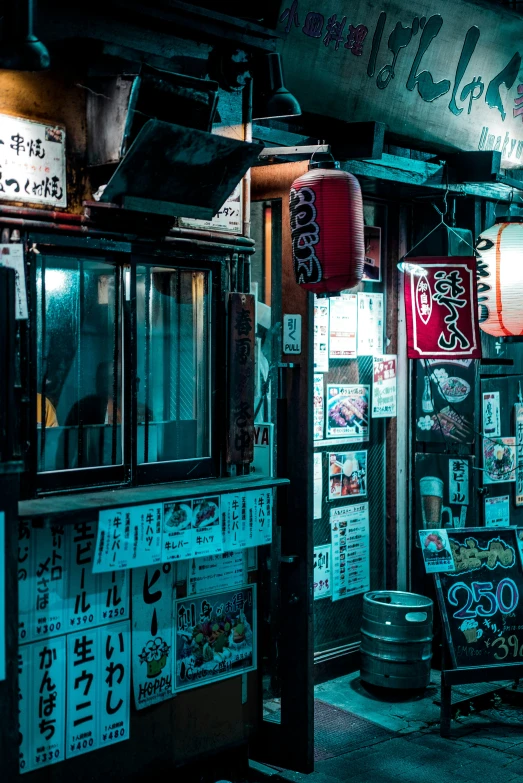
pixel 499 251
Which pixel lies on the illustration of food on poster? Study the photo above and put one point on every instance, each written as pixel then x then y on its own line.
pixel 348 412
pixel 347 474
pixel 445 400
pixel 215 637
pixel 499 460
pixel 435 548
pixel 443 491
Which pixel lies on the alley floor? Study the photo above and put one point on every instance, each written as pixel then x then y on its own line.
pixel 362 738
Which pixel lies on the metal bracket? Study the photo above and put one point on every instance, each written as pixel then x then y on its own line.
pixel 285 152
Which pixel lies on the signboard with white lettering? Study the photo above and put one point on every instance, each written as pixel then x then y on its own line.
pixel 447 73
pixel 32 162
pixel 291 334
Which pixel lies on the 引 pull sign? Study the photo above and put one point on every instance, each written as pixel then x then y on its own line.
pixel 292 334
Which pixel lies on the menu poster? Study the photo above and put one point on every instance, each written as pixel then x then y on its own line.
pixel 491 415
pixel 350 550
pixel 215 636
pixel 321 334
pixel 384 378
pixel 445 392
pixel 343 329
pixel 207 527
pixel 177 542
pixel 319 407
pixel 317 484
pixel 42 696
pixel 347 474
pixel 370 324
pixel 113 546
pixel 235 522
pixel 48 583
pixel 497 511
pixel 348 412
pixel 146 535
pixel 216 572
pixel 152 634
pixel 499 460
pixel 115 690
pixel 518 412
pixel 372 263
pixel 322 571
pixel 260 502
pixel 442 485
pixel 435 548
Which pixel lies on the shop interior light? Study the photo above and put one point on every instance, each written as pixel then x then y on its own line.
pixel 20 49
pixel 411 269
pixel 271 98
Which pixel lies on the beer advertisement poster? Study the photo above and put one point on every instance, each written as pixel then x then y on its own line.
pixel 499 460
pixel 215 637
pixel 348 411
pixel 347 474
pixel 435 548
pixel 445 392
pixel 443 491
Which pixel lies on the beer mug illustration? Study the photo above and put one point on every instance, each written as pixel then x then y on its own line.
pixel 432 508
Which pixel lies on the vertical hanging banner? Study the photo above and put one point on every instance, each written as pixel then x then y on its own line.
pixel 518 412
pixel 384 377
pixel 321 334
pixel 441 306
pixel 152 634
pixel 240 443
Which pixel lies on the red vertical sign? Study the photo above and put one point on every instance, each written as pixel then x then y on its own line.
pixel 242 328
pixel 442 308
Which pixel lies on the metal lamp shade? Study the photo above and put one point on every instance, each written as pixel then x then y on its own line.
pixel 326 212
pixel 499 252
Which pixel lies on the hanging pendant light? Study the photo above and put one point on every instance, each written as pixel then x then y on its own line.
pixel 326 212
pixel 499 252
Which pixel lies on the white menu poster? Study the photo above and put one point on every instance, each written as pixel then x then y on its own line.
pixel 115 691
pixel 262 502
pixel 12 257
pixel 42 706
pixel 497 511
pixel 317 484
pixel 384 386
pixel 112 599
pixel 114 540
pixel 177 539
pixel 350 550
pixel 318 407
pixel 49 583
pixel 321 334
pixel 343 328
pixel 26 580
pixel 2 595
pixel 458 481
pixel 491 415
pixel 322 581
pixel 217 572
pixel 83 692
pixel 24 673
pixel 146 535
pixel 370 324
pixel 235 529
pixel 83 605
pixel 207 536
pixel 152 634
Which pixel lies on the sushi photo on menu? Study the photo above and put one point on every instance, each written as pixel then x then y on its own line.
pixel 348 411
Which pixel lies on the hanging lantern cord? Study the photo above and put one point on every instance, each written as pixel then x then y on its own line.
pixel 316 152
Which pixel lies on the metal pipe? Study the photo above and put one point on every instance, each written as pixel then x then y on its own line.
pixel 42 214
pixel 247 180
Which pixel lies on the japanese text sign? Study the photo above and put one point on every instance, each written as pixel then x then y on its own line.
pixel 446 72
pixel 442 309
pixel 32 162
pixel 240 444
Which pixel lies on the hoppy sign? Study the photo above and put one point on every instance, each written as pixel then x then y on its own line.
pixel 442 309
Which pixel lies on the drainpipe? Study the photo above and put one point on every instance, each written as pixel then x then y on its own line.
pixel 247 119
pixel 20 49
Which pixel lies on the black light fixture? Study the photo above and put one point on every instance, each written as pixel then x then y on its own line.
pixel 20 49
pixel 271 98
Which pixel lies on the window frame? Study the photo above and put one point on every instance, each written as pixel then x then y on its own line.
pixel 125 255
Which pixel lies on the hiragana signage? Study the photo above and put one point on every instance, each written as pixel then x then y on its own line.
pixel 442 309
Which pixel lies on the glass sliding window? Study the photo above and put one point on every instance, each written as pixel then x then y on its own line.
pixel 173 366
pixel 79 372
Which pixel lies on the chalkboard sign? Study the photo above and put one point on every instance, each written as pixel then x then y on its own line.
pixel 481 602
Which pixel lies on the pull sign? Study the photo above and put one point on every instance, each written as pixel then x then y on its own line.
pixel 292 334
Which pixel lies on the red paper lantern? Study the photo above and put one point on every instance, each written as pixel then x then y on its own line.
pixel 328 244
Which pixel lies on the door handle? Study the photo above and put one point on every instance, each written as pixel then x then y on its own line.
pixel 289 559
